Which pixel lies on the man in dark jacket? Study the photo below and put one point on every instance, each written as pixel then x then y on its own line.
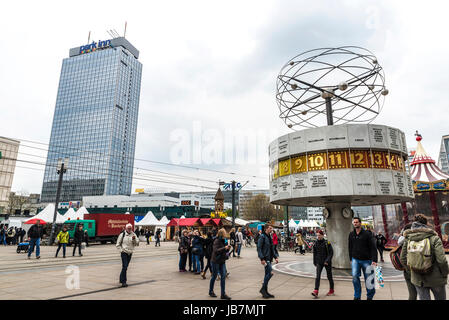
pixel 158 238
pixel 363 256
pixel 322 258
pixel 78 238
pixel 183 251
pixel 380 243
pixel 266 252
pixel 35 234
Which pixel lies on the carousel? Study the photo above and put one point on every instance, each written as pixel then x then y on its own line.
pixel 431 187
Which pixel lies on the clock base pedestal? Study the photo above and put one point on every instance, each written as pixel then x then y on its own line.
pixel 337 230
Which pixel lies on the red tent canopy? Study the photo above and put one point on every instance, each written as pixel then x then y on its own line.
pixel 217 222
pixel 205 220
pixel 186 222
pixel 33 221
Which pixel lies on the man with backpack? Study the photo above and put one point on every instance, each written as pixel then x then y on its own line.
pixel 322 258
pixel 423 254
pixel 395 256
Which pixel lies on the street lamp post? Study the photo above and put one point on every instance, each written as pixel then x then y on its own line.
pixel 61 169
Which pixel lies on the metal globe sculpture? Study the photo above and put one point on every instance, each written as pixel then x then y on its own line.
pixel 337 85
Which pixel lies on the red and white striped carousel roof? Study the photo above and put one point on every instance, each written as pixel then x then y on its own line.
pixel 423 167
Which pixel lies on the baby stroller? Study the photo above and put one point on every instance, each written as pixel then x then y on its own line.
pixel 23 246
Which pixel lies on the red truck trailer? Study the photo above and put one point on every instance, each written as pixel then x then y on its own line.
pixel 108 225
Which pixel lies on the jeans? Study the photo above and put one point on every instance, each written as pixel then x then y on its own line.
pixel 74 248
pixel 439 293
pixel 218 268
pixel 368 275
pixel 202 262
pixel 208 266
pixel 182 261
pixel 63 245
pixel 3 240
pixel 319 269
pixel 268 274
pixel 196 263
pixel 158 242
pixel 239 247
pixel 381 253
pixel 412 294
pixel 189 256
pixel 35 242
pixel 126 258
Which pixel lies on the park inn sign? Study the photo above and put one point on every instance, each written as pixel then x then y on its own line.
pixel 94 46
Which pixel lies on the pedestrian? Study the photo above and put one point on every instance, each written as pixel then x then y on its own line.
pixel 86 238
pixel 423 254
pixel 189 256
pixel 412 293
pixel 363 256
pixel 256 237
pixel 207 249
pixel 11 235
pixel 78 237
pixel 158 237
pixel 63 240
pixel 3 235
pixel 322 258
pixel 21 234
pixel 147 235
pixel 35 234
pixel 197 251
pixel 126 243
pixel 232 241
pixel 300 243
pixel 239 240
pixel 275 240
pixel 380 243
pixel 183 250
pixel 137 232
pixel 218 260
pixel 266 253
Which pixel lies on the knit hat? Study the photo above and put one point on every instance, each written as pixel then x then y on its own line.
pixel 321 232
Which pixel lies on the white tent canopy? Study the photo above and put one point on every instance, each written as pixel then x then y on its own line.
pixel 238 221
pixel 164 221
pixel 182 217
pixel 292 224
pixel 149 220
pixel 79 214
pixel 69 214
pixel 47 215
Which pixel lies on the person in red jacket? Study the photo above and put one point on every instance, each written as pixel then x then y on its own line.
pixel 275 240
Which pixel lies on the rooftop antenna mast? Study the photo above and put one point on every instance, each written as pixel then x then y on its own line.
pixel 88 38
pixel 124 33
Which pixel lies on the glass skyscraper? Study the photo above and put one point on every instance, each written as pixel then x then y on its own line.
pixel 95 121
pixel 443 159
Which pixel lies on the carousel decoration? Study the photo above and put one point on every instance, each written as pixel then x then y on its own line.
pixel 430 184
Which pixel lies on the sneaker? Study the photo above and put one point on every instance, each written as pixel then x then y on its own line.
pixel 81 255
pixel 124 285
pixel 225 297
pixel 315 293
pixel 38 257
pixel 330 293
pixel 213 295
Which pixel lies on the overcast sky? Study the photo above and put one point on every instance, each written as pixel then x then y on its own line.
pixel 212 66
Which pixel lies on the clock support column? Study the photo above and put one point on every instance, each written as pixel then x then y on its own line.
pixel 337 229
